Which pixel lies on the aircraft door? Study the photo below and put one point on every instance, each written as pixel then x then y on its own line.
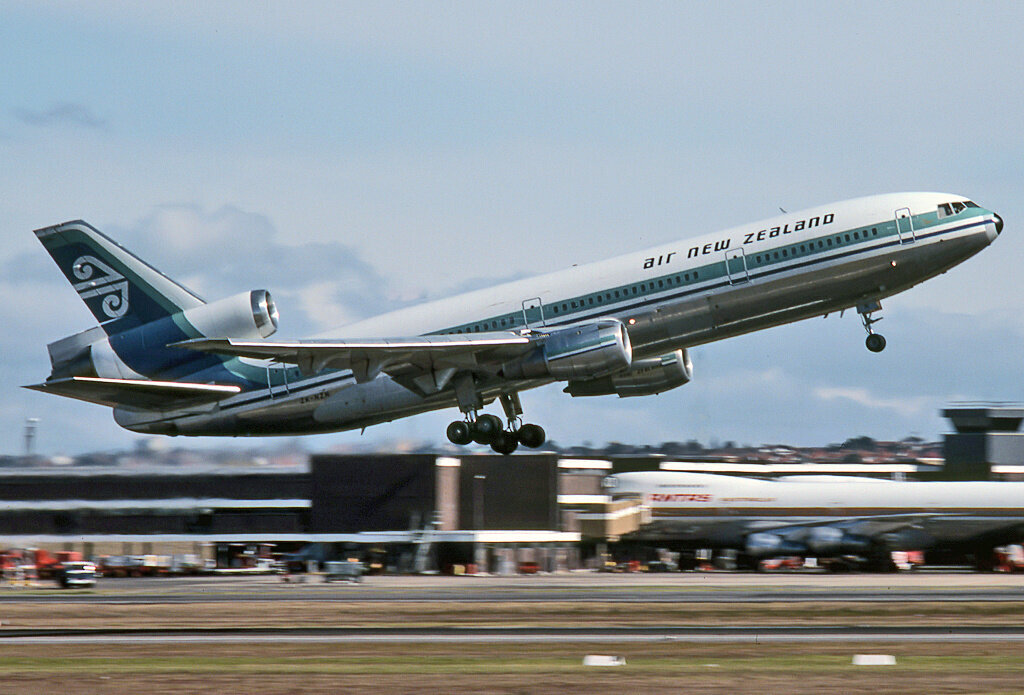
pixel 533 312
pixel 736 266
pixel 905 225
pixel 277 380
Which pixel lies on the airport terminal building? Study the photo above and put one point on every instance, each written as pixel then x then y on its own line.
pixel 416 512
pixel 420 511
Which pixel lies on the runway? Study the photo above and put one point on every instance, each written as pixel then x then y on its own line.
pixel 713 587
pixel 520 635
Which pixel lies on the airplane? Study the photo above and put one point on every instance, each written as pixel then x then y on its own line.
pixel 823 516
pixel 167 362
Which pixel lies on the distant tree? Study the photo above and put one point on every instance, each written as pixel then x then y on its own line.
pixel 860 443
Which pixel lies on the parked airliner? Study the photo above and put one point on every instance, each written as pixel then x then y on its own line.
pixel 824 516
pixel 168 362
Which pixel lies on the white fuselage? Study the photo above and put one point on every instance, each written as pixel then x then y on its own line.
pixel 708 510
pixel 677 295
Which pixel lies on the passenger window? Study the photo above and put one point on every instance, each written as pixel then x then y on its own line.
pixel 874 231
pixel 829 241
pixel 660 283
pixel 856 235
pixel 783 253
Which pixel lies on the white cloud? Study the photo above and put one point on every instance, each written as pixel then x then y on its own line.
pixel 904 407
pixel 319 301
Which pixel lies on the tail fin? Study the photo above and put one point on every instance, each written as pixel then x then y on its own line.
pixel 121 290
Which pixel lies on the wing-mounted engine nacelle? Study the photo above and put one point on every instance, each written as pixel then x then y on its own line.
pixel 828 540
pixel 582 352
pixel 643 378
pixel 821 541
pixel 247 315
pixel 765 545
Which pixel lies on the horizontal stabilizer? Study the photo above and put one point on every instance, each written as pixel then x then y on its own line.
pixel 135 393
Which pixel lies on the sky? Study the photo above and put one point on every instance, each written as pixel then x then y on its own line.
pixel 358 157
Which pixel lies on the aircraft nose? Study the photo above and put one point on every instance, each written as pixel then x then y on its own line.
pixel 999 224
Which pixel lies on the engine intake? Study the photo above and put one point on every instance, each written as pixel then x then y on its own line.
pixel 643 378
pixel 584 352
pixel 246 315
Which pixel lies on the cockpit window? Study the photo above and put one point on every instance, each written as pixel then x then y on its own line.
pixel 971 204
pixel 947 209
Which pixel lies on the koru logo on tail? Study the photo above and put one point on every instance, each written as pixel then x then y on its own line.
pixel 100 280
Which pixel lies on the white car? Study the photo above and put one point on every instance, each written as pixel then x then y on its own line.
pixel 76 574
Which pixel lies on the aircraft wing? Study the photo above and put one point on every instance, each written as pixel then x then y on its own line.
pixel 860 525
pixel 135 393
pixel 423 363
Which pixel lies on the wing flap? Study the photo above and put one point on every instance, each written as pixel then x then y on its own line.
pixel 135 393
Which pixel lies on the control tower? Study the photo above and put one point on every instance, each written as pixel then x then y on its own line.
pixel 987 435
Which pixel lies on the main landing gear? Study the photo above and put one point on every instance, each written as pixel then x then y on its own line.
pixel 489 429
pixel 875 341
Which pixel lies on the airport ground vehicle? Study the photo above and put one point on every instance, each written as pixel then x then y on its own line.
pixel 76 574
pixel 343 570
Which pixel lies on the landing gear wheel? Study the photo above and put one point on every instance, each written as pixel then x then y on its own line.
pixel 504 442
pixel 486 428
pixel 459 433
pixel 875 342
pixel 532 436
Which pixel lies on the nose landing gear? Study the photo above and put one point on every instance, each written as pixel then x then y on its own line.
pixel 875 342
pixel 488 429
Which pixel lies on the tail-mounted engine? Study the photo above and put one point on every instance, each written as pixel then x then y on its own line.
pixel 643 378
pixel 583 352
pixel 247 315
